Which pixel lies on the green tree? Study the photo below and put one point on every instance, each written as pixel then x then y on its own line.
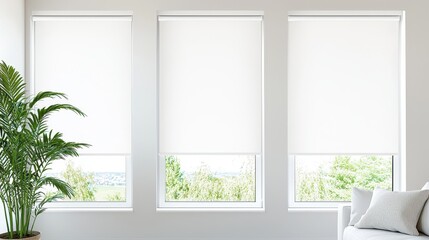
pixel 242 186
pixel 342 177
pixel 312 186
pixel 82 183
pixel 366 172
pixel 379 174
pixel 204 185
pixel 177 186
pixel 115 197
pixel 334 183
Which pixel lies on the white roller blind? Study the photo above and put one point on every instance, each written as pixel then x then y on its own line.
pixel 210 84
pixel 343 84
pixel 89 59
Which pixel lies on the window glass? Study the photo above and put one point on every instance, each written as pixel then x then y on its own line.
pixel 93 178
pixel 322 178
pixel 210 178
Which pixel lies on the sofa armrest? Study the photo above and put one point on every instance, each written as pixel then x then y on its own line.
pixel 344 211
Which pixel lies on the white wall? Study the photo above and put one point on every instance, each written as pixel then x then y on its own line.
pixel 276 222
pixel 12 46
pixel 12 33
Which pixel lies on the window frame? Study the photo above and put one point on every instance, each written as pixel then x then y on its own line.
pixel 66 206
pixel 399 159
pixel 259 204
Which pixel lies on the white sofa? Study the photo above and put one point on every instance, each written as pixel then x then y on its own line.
pixel 346 232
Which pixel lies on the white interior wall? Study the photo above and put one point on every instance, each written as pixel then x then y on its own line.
pixel 276 222
pixel 12 33
pixel 12 46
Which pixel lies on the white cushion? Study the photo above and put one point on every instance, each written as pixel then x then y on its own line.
pixel 360 202
pixel 352 233
pixel 423 224
pixel 394 211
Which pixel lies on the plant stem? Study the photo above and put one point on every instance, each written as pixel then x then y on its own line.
pixel 10 222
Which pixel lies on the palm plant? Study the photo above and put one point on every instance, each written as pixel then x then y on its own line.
pixel 27 149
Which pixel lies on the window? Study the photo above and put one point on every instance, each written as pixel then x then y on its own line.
pixel 210 111
pixel 345 105
pixel 89 59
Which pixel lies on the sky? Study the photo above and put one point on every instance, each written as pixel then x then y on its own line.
pixel 93 164
pixel 189 163
pixel 216 163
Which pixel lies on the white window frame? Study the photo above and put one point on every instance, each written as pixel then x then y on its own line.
pixel 83 205
pixel 259 203
pixel 399 160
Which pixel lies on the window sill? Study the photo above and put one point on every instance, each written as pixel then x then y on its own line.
pixel 89 209
pixel 313 209
pixel 187 209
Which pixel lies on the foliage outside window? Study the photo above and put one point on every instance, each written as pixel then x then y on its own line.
pixel 207 185
pixel 331 178
pixel 93 185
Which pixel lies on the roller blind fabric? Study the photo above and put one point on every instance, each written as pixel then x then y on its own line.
pixel 343 84
pixel 89 59
pixel 210 84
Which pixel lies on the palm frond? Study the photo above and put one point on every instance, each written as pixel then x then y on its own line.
pixel 39 208
pixel 59 184
pixel 11 83
pixel 46 95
